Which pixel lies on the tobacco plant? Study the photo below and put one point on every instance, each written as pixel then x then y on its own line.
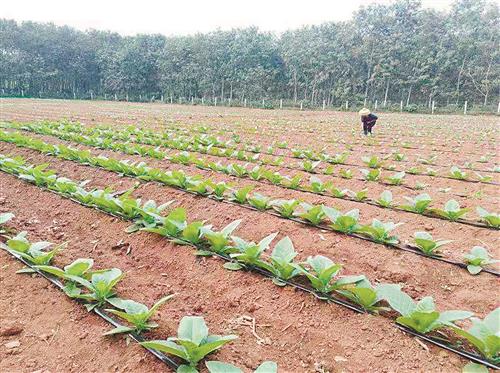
pixel 285 208
pixel 321 272
pixel 220 367
pixel 477 259
pixel 426 244
pixel 421 316
pixel 4 218
pixel 99 287
pixel 371 175
pixel 451 210
pixel 192 343
pixel 345 223
pixel 419 204
pixel 34 253
pixel 310 213
pixel 281 260
pixel 381 232
pixel 385 199
pixel 135 313
pixel 247 252
pixel 484 335
pixel 490 218
pixel 364 294
pixel 220 241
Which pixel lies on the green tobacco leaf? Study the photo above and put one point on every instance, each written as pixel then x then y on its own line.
pixel 119 329
pixel 220 367
pixel 474 368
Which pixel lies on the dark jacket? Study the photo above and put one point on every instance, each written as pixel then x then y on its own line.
pixel 369 119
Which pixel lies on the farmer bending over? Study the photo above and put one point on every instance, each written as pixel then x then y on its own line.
pixel 369 119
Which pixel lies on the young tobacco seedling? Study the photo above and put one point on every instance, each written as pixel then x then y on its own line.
pixel 318 186
pixel 247 252
pixel 259 201
pixel 321 271
pixel 33 252
pixel 419 204
pixel 192 343
pixel 4 218
pixel 372 162
pixel 345 173
pixel 220 189
pixel 484 335
pixel 310 166
pixel 241 195
pixel 149 213
pixel 135 313
pixel 371 175
pixel 293 183
pixel 219 367
pixel 364 294
pixel 360 195
pixel 281 259
pixel 285 208
pixel 172 225
pixel 380 232
pixel 397 178
pixel 385 199
pixel 219 241
pixel 422 316
pixel 456 173
pixel 478 258
pixel 100 287
pixel 310 213
pixel 451 211
pixel 427 244
pixel 345 223
pixel 490 218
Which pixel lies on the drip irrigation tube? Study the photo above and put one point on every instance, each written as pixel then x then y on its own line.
pixel 134 336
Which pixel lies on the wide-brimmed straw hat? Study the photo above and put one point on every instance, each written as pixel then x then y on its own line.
pixel 364 111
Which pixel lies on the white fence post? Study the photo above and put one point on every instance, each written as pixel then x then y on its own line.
pixel 126 97
pixel 171 99
pixel 161 98
pixel 301 105
pixel 192 100
pixel 105 96
pixel 91 96
pixel 401 106
pixel 324 104
pixel 245 103
pixel 347 105
pixel 116 97
pixel 498 109
pixel 263 103
pixel 281 103
pixel 215 101
pixel 433 106
pixel 465 108
pixel 203 100
pixel 229 101
pixel 376 104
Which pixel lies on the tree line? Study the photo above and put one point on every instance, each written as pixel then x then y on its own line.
pixel 389 53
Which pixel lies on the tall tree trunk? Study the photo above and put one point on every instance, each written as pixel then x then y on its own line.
pixel 457 92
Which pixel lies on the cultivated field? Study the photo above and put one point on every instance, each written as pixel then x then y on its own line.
pixel 372 222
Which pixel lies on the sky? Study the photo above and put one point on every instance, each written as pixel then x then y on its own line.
pixel 184 17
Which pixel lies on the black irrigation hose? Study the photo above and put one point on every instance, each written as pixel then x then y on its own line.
pixel 467 355
pixel 304 190
pixel 428 339
pixel 134 336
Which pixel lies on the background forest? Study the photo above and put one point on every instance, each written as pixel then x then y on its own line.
pixel 387 53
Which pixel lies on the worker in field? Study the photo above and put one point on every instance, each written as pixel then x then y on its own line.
pixel 368 119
